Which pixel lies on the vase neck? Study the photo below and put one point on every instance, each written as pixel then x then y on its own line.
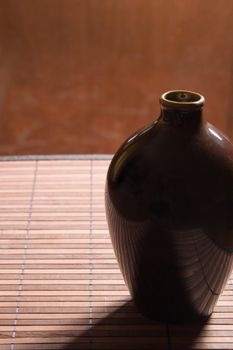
pixel 182 108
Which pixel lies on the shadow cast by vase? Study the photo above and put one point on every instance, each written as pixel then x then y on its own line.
pixel 125 328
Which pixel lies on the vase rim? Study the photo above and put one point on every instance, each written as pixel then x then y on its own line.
pixel 182 99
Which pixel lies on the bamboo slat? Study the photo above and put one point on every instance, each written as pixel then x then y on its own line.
pixel 60 285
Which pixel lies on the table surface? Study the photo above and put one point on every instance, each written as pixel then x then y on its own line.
pixel 60 286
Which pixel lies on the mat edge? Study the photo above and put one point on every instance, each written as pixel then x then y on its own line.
pixel 56 157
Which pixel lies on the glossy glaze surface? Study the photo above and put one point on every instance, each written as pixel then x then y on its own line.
pixel 169 204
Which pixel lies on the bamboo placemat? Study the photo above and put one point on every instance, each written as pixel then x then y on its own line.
pixel 60 285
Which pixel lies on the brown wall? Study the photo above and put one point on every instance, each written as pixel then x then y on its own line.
pixel 78 76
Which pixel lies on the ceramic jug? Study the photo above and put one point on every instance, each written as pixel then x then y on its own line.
pixel 169 206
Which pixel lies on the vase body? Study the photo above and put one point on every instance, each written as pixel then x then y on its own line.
pixel 169 206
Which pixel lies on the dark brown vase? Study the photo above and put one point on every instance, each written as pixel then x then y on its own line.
pixel 169 205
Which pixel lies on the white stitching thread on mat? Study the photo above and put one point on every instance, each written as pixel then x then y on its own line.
pixel 26 240
pixel 90 287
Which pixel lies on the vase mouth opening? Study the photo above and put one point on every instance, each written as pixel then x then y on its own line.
pixel 182 99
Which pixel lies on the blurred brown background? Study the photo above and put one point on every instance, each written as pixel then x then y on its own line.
pixel 78 76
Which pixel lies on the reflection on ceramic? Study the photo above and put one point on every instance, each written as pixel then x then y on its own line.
pixel 169 205
pixel 216 134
